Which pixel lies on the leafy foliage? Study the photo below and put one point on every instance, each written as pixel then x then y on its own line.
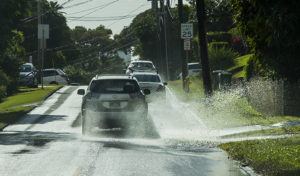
pixel 219 14
pixel 221 58
pixel 11 60
pixel 272 29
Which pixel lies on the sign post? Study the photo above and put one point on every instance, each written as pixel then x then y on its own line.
pixel 186 35
pixel 43 35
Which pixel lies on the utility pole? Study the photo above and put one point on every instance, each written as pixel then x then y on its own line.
pixel 203 47
pixel 166 43
pixel 39 14
pixel 183 58
pixel 158 45
pixel 163 40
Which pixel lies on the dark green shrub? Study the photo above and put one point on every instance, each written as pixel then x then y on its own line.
pixel 78 75
pixel 219 37
pixel 221 58
pixel 218 45
pixel 3 85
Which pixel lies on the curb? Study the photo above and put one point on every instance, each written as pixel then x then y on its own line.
pixel 45 98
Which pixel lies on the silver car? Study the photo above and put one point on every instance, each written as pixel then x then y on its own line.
pixel 28 75
pixel 152 82
pixel 141 66
pixel 112 101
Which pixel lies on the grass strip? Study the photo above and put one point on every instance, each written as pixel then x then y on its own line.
pixel 267 132
pixel 15 106
pixel 270 157
pixel 196 89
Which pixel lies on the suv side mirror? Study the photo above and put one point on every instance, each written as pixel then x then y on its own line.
pixel 80 91
pixel 165 83
pixel 146 91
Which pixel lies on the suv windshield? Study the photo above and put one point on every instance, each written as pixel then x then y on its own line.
pixel 26 68
pixel 114 86
pixel 194 66
pixel 147 78
pixel 141 65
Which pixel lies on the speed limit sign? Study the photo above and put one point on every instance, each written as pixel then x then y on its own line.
pixel 186 30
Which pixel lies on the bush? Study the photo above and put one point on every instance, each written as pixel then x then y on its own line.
pixel 3 85
pixel 78 75
pixel 218 44
pixel 219 37
pixel 221 58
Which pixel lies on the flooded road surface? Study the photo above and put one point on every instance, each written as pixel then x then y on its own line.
pixel 48 141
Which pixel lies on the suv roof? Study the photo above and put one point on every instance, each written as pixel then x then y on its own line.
pixel 144 73
pixel 101 77
pixel 142 61
pixel 194 63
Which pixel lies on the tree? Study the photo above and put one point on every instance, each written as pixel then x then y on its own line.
pixel 60 36
pixel 272 31
pixel 11 51
pixel 219 14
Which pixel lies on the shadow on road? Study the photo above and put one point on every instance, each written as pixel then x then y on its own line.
pixel 40 119
pixel 33 138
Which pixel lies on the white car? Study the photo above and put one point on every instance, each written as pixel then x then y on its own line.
pixel 194 69
pixel 141 66
pixel 152 82
pixel 55 76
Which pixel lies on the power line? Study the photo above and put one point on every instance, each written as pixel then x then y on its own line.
pixel 112 18
pixel 86 10
pixel 68 1
pixel 128 14
pixel 101 7
pixel 78 4
pixel 31 18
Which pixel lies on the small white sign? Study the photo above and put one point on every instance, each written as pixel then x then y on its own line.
pixel 186 30
pixel 187 44
pixel 43 31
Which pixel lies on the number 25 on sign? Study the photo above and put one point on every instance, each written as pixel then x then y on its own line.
pixel 186 30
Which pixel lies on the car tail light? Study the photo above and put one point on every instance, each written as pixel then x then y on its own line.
pixel 160 88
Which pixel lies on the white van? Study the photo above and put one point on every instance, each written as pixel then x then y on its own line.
pixel 194 69
pixel 55 76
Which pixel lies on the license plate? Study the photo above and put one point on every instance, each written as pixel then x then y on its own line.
pixel 114 104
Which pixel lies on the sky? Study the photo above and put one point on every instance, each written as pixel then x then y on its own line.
pixel 92 13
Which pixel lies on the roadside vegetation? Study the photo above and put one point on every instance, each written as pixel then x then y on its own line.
pixel 15 106
pixel 196 92
pixel 272 157
pixel 226 109
pixel 289 130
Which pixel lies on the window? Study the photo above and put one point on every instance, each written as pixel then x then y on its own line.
pixel 47 73
pixel 114 86
pixel 147 78
pixel 141 65
pixel 194 66
pixel 26 68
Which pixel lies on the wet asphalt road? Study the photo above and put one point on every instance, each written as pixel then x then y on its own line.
pixel 48 141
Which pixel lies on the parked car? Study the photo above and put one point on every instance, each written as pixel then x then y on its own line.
pixel 140 66
pixel 113 99
pixel 154 83
pixel 55 76
pixel 194 69
pixel 28 75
